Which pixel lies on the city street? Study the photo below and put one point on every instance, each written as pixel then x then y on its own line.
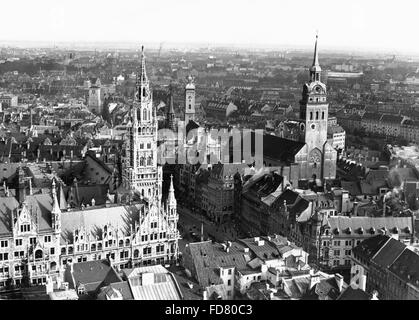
pixel 190 228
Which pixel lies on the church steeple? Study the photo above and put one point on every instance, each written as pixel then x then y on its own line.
pixel 315 69
pixel 189 100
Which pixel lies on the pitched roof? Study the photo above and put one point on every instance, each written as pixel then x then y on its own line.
pixel 388 253
pixel 369 247
pixel 121 217
pixel 351 293
pixel 370 225
pixel 281 149
pixel 122 287
pixel 406 267
pixel 93 274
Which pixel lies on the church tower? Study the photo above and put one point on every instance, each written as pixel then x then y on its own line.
pixel 95 98
pixel 189 100
pixel 313 115
pixel 171 113
pixel 140 170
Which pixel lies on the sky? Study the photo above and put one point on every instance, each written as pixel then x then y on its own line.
pixel 354 24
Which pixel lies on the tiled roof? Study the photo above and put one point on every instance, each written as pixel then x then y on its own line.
pixel 39 204
pixel 406 266
pixel 353 294
pixel 93 274
pixel 280 149
pixel 122 287
pixel 371 116
pixel 367 224
pixel 369 247
pixel 94 219
pixel 391 118
pixel 388 253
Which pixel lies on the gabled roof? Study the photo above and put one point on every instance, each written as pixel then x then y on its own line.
pixel 92 274
pixel 388 253
pixel 406 267
pixel 369 247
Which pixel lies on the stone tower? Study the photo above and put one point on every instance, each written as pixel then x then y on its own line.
pixel 189 100
pixel 95 99
pixel 313 115
pixel 140 170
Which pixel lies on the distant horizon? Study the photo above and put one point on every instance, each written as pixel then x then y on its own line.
pixel 133 45
pixel 358 25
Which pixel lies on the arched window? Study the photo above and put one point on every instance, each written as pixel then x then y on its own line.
pixel 144 94
pixel 93 247
pixel 127 242
pixel 311 115
pixel 99 246
pixel 121 243
pixel 323 115
pixel 149 161
pixel 136 253
pixel 53 266
pixel 63 251
pixel 144 114
pixel 317 115
pixel 38 254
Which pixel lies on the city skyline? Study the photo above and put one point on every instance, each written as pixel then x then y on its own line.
pixel 358 26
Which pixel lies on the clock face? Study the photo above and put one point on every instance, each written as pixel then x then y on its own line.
pixel 313 126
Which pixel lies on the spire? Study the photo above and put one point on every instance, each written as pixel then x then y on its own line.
pixel 142 85
pixel 143 74
pixel 316 54
pixel 55 204
pixel 315 69
pixel 171 200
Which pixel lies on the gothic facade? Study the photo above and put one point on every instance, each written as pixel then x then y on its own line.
pixel 39 236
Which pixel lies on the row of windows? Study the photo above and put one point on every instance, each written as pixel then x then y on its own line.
pixel 317 115
pixel 19 242
pixel 148 145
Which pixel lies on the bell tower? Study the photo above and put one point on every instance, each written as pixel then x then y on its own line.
pixel 189 100
pixel 314 114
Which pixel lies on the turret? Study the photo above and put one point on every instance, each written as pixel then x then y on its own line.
pixel 171 199
pixel 56 211
pixel 171 112
pixel 21 194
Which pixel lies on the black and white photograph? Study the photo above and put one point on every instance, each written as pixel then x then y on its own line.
pixel 210 155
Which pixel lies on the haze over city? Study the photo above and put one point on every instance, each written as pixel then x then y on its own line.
pixel 356 25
